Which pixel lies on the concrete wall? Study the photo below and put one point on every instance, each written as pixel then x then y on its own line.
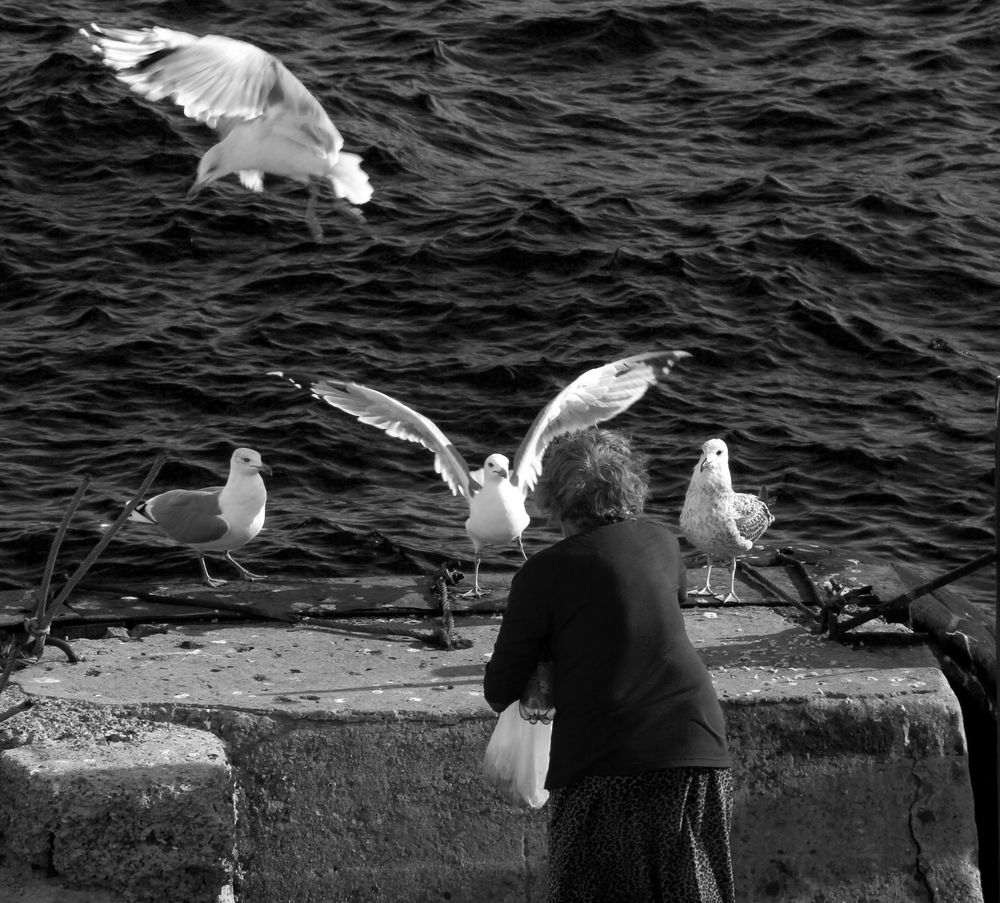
pixel 837 800
pixel 867 801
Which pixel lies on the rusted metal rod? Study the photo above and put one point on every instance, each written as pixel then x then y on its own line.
pixel 904 599
pixel 37 626
pixel 751 571
pixel 43 593
pixel 102 544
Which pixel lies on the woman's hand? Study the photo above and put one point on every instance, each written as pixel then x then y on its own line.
pixel 538 697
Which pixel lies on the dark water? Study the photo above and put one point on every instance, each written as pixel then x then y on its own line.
pixel 803 195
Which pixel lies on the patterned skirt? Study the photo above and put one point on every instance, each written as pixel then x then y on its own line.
pixel 659 836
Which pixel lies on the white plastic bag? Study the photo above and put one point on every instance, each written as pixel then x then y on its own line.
pixel 517 758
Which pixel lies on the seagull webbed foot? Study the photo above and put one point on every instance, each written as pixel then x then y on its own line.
pixel 477 592
pixel 249 575
pixel 209 579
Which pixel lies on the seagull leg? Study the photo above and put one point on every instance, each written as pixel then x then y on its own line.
pixel 243 570
pixel 706 590
pixel 732 597
pixel 314 227
pixel 211 581
pixel 475 592
pixel 520 545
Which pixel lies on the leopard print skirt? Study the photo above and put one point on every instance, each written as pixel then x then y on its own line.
pixel 660 836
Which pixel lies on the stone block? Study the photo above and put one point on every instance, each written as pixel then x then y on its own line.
pixel 853 801
pixel 151 819
pixel 383 810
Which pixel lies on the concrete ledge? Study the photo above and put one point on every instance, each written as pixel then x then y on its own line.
pixel 356 760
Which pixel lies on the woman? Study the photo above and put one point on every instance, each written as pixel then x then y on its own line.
pixel 639 781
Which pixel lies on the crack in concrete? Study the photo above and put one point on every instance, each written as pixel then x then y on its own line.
pixel 912 820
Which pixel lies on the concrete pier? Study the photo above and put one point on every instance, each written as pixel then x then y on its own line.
pixel 270 763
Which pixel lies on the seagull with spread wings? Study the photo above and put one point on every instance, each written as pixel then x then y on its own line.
pixel 218 519
pixel 718 521
pixel 268 120
pixel 496 493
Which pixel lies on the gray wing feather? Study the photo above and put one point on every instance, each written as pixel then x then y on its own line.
pixel 189 515
pixel 752 516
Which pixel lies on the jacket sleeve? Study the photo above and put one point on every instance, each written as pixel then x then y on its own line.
pixel 521 642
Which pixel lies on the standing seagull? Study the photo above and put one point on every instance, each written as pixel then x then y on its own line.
pixel 268 120
pixel 218 519
pixel 718 521
pixel 496 493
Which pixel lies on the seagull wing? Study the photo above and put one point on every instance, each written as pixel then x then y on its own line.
pixel 752 516
pixel 189 515
pixel 217 80
pixel 380 410
pixel 595 396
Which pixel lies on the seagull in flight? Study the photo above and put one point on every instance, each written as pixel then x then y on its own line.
pixel 496 492
pixel 218 519
pixel 718 521
pixel 267 119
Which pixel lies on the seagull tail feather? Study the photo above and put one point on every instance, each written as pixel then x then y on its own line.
pixel 142 515
pixel 349 180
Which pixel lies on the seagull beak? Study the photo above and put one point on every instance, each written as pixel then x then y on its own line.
pixel 193 191
pixel 263 468
pixel 502 473
pixel 704 463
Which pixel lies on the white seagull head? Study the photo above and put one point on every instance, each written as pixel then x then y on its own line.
pixel 496 468
pixel 714 454
pixel 211 167
pixel 247 461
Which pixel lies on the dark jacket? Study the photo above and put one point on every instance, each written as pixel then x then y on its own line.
pixel 631 693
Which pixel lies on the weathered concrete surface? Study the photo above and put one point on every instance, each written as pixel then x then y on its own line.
pixel 23 884
pixel 146 813
pixel 357 759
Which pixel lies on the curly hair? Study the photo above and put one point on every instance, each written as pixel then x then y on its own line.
pixel 593 477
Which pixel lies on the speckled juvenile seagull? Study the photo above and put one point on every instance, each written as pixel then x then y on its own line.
pixel 496 493
pixel 268 120
pixel 718 521
pixel 218 519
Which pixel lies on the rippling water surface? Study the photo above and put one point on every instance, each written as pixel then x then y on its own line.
pixel 802 195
